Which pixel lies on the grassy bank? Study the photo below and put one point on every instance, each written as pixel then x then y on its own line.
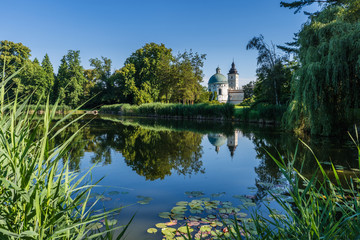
pixel 260 113
pixel 172 110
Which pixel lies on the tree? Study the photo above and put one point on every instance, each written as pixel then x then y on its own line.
pixel 49 72
pixel 326 86
pixel 99 82
pixel 188 76
pixel 148 62
pixel 272 85
pixel 70 80
pixel 248 89
pixel 152 74
pixel 33 81
pixel 13 56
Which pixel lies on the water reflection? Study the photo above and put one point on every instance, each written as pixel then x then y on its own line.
pixel 158 148
pixel 219 139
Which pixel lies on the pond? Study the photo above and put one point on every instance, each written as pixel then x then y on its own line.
pixel 211 168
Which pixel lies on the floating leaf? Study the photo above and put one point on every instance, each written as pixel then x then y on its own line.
pixel 184 229
pixel 205 228
pixel 241 215
pixel 164 214
pixel 95 226
pixel 182 203
pixel 113 193
pixel 161 225
pixel 168 231
pixel 124 192
pixel 152 230
pixel 171 223
pixel 112 222
pixel 193 223
pixel 104 199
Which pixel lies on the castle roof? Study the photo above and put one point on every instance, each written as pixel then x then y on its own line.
pixel 233 69
pixel 218 78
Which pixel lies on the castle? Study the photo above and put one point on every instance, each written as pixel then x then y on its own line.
pixel 227 89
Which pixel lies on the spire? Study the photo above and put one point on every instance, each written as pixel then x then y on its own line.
pixel 233 69
pixel 218 70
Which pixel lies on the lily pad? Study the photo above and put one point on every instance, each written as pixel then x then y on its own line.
pixel 205 228
pixel 113 193
pixel 112 222
pixel 161 225
pixel 182 203
pixel 152 230
pixel 164 214
pixel 95 226
pixel 184 229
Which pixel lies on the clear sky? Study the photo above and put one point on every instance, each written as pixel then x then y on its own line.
pixel 116 28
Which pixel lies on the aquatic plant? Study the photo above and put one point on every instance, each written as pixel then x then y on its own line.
pixel 39 197
pixel 179 110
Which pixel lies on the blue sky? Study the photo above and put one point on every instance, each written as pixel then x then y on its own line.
pixel 116 28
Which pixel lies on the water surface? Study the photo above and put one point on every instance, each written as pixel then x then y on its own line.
pixel 158 162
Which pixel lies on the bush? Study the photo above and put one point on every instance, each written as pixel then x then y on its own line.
pixel 170 109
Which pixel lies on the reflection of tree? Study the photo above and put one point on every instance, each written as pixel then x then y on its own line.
pixel 267 140
pixel 154 154
pixel 151 153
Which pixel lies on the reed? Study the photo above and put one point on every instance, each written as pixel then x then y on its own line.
pixel 168 109
pixel 320 207
pixel 39 197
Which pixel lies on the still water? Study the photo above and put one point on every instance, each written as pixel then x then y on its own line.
pixel 150 165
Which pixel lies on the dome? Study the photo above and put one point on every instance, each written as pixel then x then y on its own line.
pixel 218 78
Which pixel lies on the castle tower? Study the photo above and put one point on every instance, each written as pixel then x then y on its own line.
pixel 233 77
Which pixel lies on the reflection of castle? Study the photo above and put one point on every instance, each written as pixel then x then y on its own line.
pixel 218 139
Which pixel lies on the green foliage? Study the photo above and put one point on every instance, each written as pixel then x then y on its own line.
pixel 261 112
pixel 273 77
pixel 33 81
pixel 12 56
pixel 320 207
pixel 49 72
pixel 153 74
pixel 325 87
pixel 70 80
pixel 40 198
pixel 180 110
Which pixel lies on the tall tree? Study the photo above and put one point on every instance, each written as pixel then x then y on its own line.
pixel 33 81
pixel 326 86
pixel 49 71
pixel 101 74
pixel 13 56
pixel 148 62
pixel 272 76
pixel 70 80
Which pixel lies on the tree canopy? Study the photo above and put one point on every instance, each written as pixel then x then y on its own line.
pixel 326 85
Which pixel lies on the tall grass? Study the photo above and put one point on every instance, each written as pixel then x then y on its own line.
pixel 179 110
pixel 39 199
pixel 320 207
pixel 261 112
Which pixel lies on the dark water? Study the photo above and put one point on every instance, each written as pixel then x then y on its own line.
pixel 158 162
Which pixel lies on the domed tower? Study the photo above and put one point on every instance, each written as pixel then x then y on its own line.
pixel 233 77
pixel 219 84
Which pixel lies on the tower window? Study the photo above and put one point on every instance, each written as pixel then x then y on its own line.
pixel 220 91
